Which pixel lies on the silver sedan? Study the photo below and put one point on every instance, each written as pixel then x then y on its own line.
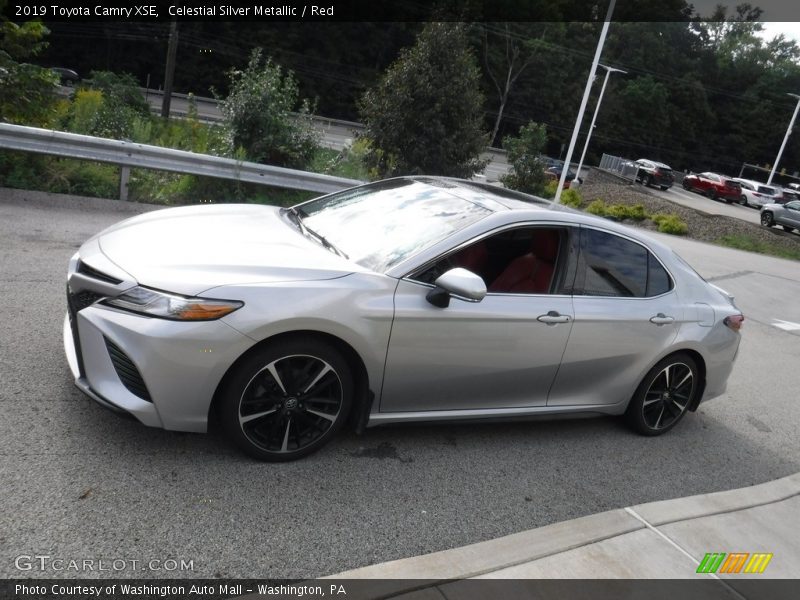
pixel 411 299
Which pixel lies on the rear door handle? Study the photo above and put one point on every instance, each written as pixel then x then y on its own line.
pixel 662 319
pixel 553 317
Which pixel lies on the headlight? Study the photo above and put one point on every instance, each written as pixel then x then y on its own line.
pixel 171 306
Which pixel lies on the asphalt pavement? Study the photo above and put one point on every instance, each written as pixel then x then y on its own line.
pixel 79 482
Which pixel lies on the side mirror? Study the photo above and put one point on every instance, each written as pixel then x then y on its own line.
pixel 457 282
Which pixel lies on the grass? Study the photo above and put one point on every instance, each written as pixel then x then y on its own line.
pixel 750 244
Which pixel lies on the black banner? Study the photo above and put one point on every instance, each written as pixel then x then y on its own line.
pixel 702 588
pixel 373 10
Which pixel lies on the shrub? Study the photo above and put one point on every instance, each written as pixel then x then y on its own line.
pixel 569 197
pixel 670 224
pixel 84 113
pixel 549 190
pixel 597 207
pixel 524 155
pixel 258 115
pixel 27 92
pixel 425 115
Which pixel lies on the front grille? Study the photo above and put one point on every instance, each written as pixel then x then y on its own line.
pixel 85 269
pixel 126 371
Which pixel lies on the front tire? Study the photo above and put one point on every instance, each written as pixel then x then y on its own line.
pixel 287 399
pixel 664 395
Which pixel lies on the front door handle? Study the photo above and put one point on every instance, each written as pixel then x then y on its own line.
pixel 553 317
pixel 662 319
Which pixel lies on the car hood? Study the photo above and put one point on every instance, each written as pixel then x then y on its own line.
pixel 191 249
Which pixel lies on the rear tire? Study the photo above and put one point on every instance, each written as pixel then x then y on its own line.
pixel 767 220
pixel 664 188
pixel 787 228
pixel 287 399
pixel 712 194
pixel 664 396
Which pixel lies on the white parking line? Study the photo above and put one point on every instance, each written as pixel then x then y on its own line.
pixel 786 325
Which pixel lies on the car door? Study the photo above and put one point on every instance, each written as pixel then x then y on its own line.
pixel 627 312
pixel 501 352
pixel 790 215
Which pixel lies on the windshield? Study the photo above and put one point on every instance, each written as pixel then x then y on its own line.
pixel 380 225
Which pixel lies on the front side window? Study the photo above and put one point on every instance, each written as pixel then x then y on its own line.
pixel 611 265
pixel 523 260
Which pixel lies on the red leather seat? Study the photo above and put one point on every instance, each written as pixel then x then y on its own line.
pixel 531 273
pixel 473 258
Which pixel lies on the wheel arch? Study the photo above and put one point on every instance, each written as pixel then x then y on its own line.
pixel 701 366
pixel 362 402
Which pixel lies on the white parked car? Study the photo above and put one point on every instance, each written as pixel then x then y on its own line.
pixel 757 194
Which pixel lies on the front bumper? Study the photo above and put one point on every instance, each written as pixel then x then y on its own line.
pixel 181 364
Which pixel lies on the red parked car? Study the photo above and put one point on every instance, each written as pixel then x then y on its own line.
pixel 714 186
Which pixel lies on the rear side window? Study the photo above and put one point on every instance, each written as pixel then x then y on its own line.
pixel 766 190
pixel 611 265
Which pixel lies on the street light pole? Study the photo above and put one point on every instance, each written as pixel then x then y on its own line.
pixel 785 139
pixel 582 109
pixel 609 70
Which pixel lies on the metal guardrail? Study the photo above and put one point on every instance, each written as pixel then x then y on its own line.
pixel 130 154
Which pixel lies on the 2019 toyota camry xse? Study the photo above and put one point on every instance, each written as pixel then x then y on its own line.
pixel 410 299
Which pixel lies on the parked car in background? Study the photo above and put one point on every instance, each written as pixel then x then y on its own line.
pixel 786 215
pixel 650 173
pixel 554 173
pixel 714 186
pixel 410 299
pixel 67 77
pixel 785 195
pixel 757 194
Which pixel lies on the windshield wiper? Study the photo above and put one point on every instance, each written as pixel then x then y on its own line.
pixel 298 218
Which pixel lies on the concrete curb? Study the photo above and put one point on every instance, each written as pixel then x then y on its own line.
pixel 706 505
pixel 485 557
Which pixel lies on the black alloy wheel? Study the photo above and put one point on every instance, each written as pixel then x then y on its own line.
pixel 288 399
pixel 663 397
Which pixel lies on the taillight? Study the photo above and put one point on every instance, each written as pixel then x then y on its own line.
pixel 734 322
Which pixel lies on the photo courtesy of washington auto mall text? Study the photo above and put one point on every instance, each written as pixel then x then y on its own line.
pixel 145 590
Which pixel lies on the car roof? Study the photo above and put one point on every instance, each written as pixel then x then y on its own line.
pixel 655 163
pixel 756 183
pixel 537 207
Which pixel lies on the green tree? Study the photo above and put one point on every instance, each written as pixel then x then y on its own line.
pixel 524 156
pixel 425 116
pixel 27 92
pixel 258 115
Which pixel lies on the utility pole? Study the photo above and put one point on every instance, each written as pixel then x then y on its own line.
pixel 585 99
pixel 172 51
pixel 785 138
pixel 609 70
